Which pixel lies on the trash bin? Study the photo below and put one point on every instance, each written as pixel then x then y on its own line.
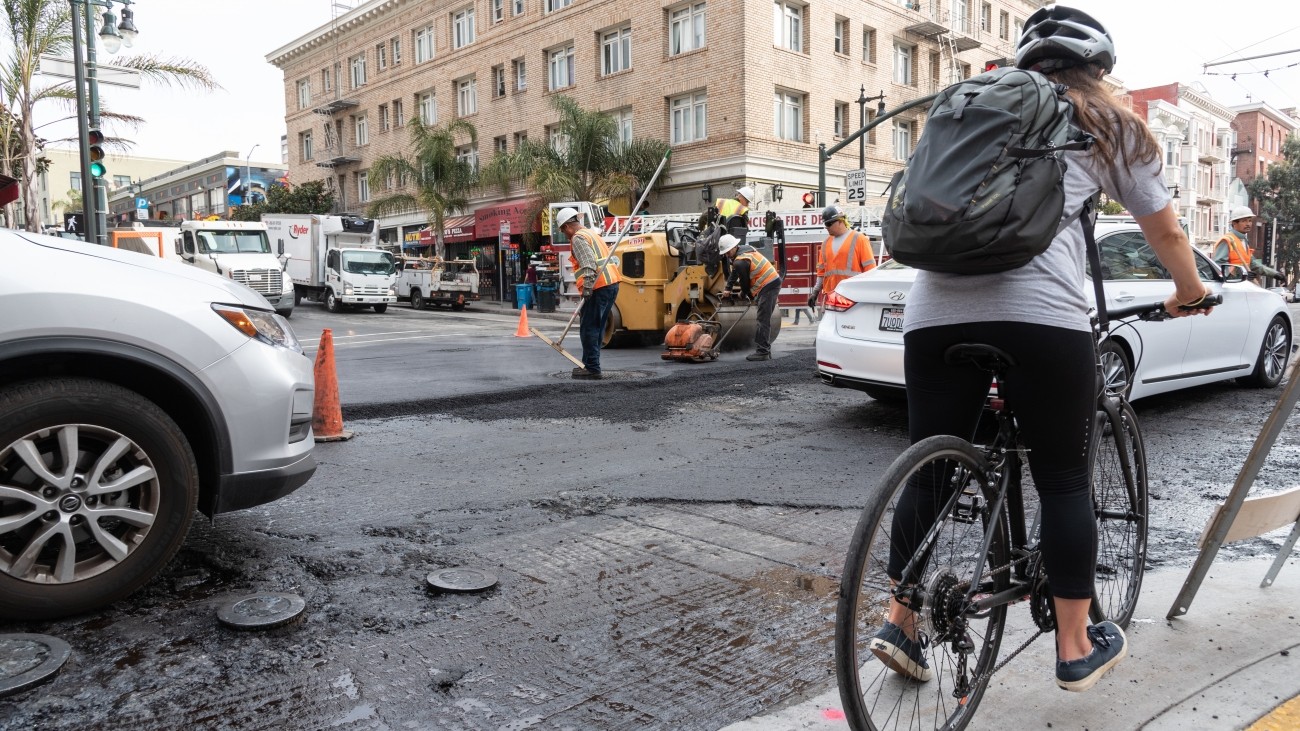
pixel 523 296
pixel 548 298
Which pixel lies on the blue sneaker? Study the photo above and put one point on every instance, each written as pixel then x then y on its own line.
pixel 904 656
pixel 1109 646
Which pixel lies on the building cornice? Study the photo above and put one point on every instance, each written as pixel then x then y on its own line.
pixel 328 32
pixel 1269 111
pixel 1205 103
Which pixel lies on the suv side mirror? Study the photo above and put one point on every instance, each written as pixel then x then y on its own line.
pixel 1234 273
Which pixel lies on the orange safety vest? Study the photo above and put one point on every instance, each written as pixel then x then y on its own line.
pixel 761 271
pixel 853 258
pixel 729 207
pixel 606 268
pixel 1238 252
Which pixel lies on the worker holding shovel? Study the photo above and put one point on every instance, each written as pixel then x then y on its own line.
pixel 597 277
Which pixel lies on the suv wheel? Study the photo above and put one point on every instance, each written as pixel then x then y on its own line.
pixel 98 489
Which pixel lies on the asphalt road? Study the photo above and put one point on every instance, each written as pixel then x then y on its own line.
pixel 667 543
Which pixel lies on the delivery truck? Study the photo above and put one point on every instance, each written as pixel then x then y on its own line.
pixel 335 260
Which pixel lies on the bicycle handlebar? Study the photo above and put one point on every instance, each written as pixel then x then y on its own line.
pixel 1155 311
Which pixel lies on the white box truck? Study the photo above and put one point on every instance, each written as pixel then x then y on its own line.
pixel 238 250
pixel 335 260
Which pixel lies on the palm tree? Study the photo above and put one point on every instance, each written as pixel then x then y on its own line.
pixel 587 162
pixel 441 181
pixel 39 27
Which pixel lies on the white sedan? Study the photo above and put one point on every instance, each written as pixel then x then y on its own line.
pixel 1248 337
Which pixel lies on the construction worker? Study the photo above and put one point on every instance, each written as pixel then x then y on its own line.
pixel 597 277
pixel 727 207
pixel 844 253
pixel 1234 250
pixel 754 277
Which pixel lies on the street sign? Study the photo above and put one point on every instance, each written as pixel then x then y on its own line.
pixel 73 224
pixel 64 68
pixel 856 182
pixel 141 208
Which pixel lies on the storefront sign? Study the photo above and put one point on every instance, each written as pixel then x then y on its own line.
pixel 488 219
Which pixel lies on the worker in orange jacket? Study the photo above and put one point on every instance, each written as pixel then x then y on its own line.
pixel 1233 249
pixel 844 253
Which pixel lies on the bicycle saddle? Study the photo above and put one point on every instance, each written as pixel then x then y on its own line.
pixel 982 356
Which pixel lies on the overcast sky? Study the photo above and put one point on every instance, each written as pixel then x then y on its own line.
pixel 1158 42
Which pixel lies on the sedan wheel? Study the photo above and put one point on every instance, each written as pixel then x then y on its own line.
pixel 1117 373
pixel 97 489
pixel 1273 352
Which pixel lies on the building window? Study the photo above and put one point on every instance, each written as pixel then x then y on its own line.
pixel 616 51
pixel 902 139
pixel 868 45
pixel 462 28
pixel 986 17
pixel 498 10
pixel 686 29
pixel 427 105
pixel 466 97
pixel 960 15
pixel 520 74
pixel 362 129
pixel 397 50
pixel 74 181
pixel 788 116
pixel 499 144
pixel 424 44
pixel 359 71
pixel 325 82
pixel 842 36
pixel 363 187
pixel 304 146
pixel 902 64
pixel 787 25
pixel 1171 153
pixel 468 155
pixel 560 62
pixel 688 114
pixel 399 114
pixel 623 118
pixel 1018 27
pixel 553 5
pixel 518 7
pixel 384 122
pixel 558 141
pixel 381 57
pixel 1003 24
pixel 498 81
pixel 304 93
pixel 841 119
pixel 520 139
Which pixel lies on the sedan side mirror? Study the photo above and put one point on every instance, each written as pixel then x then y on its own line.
pixel 1234 273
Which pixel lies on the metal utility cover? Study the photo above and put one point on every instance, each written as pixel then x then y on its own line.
pixel 261 611
pixel 27 660
pixel 461 579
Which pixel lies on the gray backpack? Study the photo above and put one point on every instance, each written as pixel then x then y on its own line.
pixel 983 191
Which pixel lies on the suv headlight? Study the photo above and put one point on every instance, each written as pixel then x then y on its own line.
pixel 268 327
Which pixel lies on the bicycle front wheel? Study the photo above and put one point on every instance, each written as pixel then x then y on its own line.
pixel 945 571
pixel 1119 496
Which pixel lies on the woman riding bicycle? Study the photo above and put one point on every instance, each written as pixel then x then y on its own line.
pixel 1039 314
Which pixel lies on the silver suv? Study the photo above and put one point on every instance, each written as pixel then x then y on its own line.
pixel 132 391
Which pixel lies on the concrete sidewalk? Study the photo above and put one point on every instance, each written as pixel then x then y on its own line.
pixel 1232 659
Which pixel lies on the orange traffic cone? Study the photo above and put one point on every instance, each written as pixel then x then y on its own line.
pixel 327 416
pixel 522 330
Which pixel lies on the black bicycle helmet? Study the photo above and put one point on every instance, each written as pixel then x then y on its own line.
pixel 1057 37
pixel 832 212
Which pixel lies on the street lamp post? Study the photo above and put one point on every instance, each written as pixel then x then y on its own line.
pixel 248 180
pixel 94 191
pixel 862 123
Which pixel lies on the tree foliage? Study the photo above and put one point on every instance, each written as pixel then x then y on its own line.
pixel 311 197
pixel 1278 193
pixel 441 180
pixel 588 161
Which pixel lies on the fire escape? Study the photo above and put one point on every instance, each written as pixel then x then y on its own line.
pixel 953 32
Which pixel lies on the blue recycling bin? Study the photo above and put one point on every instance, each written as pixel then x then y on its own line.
pixel 523 296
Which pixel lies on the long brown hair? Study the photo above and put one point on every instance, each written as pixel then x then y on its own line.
pixel 1119 132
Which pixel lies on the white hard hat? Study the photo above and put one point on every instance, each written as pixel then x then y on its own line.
pixel 727 242
pixel 747 192
pixel 564 216
pixel 1241 212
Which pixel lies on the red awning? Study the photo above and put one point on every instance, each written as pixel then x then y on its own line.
pixel 458 229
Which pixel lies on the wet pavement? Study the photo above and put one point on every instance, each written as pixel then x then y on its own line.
pixel 667 550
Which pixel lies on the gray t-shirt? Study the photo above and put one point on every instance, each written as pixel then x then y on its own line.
pixel 1049 290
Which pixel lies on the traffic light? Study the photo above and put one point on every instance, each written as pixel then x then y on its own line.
pixel 996 63
pixel 809 199
pixel 96 140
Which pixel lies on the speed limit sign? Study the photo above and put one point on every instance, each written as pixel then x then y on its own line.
pixel 856 182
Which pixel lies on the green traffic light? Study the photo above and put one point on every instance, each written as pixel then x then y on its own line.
pixel 97 169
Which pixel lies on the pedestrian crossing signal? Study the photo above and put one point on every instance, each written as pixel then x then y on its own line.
pixel 809 199
pixel 996 63
pixel 95 139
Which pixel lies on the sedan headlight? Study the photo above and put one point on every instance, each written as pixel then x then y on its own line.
pixel 268 327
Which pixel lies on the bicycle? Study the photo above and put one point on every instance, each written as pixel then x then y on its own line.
pixel 980 555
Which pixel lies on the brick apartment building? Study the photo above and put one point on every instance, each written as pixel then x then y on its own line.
pixel 744 91
pixel 1260 129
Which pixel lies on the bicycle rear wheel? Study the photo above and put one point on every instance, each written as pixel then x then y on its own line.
pixel 1119 494
pixel 960 643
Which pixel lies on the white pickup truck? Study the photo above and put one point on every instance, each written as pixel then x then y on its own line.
pixel 424 282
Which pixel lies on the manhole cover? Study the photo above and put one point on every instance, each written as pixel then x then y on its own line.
pixel 261 611
pixel 609 375
pixel 28 660
pixel 461 579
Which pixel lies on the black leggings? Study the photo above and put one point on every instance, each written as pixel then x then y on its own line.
pixel 1052 391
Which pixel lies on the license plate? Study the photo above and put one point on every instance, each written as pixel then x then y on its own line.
pixel 891 319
